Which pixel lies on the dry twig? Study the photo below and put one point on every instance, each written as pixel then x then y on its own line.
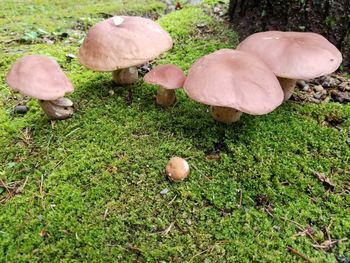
pixel 296 252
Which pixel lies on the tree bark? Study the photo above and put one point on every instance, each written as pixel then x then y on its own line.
pixel 331 18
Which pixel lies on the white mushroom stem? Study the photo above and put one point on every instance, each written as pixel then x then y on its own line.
pixel 125 76
pixel 165 97
pixel 225 114
pixel 288 86
pixel 59 109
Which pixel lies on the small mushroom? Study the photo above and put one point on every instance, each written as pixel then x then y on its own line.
pixel 169 77
pixel 121 43
pixel 232 82
pixel 41 77
pixel 293 55
pixel 177 169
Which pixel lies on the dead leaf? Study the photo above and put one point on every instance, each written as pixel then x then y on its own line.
pixel 325 180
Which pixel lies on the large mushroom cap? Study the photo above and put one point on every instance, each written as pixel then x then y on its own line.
pixel 168 76
pixel 122 42
pixel 294 55
pixel 234 79
pixel 39 77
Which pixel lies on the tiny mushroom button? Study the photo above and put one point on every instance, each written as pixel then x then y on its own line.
pixel 177 169
pixel 232 82
pixel 169 77
pixel 41 77
pixel 121 43
pixel 293 55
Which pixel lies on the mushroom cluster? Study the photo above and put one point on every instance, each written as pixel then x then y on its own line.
pixel 254 79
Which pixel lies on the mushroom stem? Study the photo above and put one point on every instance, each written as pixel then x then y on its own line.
pixel 165 97
pixel 288 86
pixel 59 109
pixel 225 114
pixel 125 76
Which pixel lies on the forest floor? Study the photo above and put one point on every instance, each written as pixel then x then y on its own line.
pixel 92 188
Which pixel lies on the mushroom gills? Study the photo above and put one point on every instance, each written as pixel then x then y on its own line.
pixel 288 86
pixel 165 97
pixel 59 109
pixel 225 114
pixel 125 76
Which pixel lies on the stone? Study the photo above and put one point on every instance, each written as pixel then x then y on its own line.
pixel 21 109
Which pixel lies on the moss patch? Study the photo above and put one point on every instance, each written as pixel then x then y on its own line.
pixel 92 183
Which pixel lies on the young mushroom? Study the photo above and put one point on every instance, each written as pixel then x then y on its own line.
pixel 41 77
pixel 121 43
pixel 293 55
pixel 233 82
pixel 169 77
pixel 177 169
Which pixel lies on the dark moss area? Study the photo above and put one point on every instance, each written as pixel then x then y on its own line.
pixel 92 183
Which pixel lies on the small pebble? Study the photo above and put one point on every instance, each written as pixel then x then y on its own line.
pixel 216 10
pixel 21 109
pixel 306 87
pixel 70 57
pixel 344 86
pixel 318 88
pixel 301 83
pixel 111 92
pixel 164 191
pixel 318 95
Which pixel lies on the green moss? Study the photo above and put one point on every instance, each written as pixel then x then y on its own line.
pixel 17 19
pixel 93 181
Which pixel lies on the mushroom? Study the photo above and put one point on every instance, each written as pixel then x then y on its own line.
pixel 177 169
pixel 41 77
pixel 293 55
pixel 233 82
pixel 169 77
pixel 121 43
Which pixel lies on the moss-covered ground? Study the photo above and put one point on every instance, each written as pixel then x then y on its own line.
pixel 87 189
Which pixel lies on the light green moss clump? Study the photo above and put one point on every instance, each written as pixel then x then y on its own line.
pixel 88 188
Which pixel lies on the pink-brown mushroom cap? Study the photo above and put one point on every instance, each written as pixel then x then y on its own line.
pixel 294 55
pixel 136 40
pixel 168 76
pixel 235 79
pixel 39 77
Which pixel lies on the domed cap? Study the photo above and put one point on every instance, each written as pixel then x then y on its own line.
pixel 294 55
pixel 177 169
pixel 168 76
pixel 39 77
pixel 234 79
pixel 123 42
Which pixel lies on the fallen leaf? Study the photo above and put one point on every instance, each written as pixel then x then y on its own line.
pixel 325 180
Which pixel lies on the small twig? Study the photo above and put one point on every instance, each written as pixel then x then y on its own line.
pixel 166 231
pixel 105 214
pixel 41 190
pixel 200 253
pixel 5 186
pixel 240 198
pixel 300 227
pixel 327 229
pixel 200 173
pixel 21 188
pixel 329 243
pixel 172 200
pixel 296 252
pixel 269 213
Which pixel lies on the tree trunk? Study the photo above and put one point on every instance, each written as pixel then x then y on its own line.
pixel 331 18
